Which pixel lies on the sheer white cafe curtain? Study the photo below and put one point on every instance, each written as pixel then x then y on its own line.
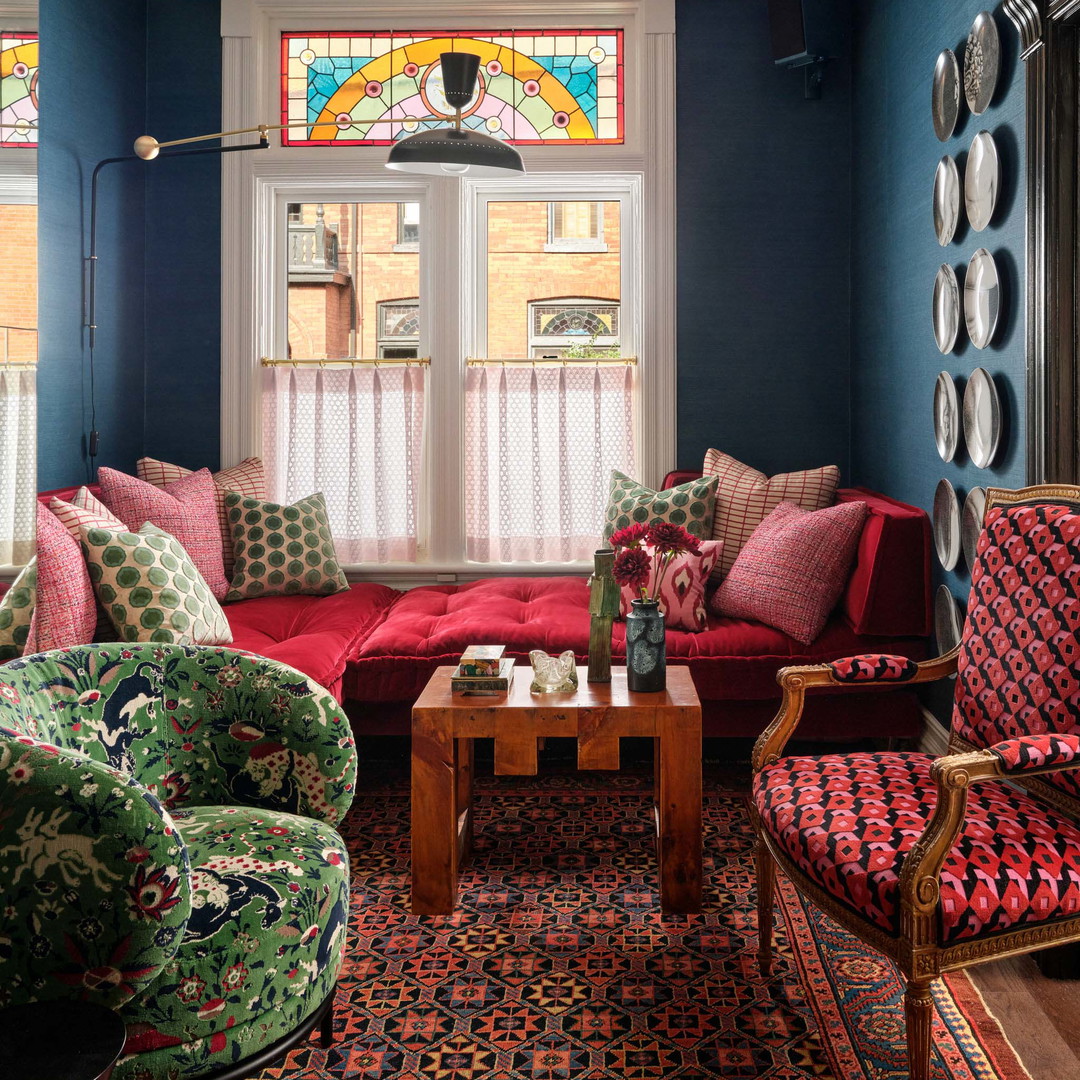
pixel 540 445
pixel 355 434
pixel 18 463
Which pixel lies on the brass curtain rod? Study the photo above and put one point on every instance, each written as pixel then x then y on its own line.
pixel 25 364
pixel 349 361
pixel 555 361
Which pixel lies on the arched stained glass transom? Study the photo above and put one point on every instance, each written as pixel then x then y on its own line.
pixel 535 87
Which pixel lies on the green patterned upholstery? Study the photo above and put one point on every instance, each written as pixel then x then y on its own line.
pixel 167 846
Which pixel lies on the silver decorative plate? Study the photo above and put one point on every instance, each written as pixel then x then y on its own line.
pixel 946 524
pixel 982 62
pixel 946 416
pixel 982 418
pixel 946 200
pixel 982 180
pixel 948 622
pixel 945 94
pixel 982 298
pixel 946 308
pixel 971 523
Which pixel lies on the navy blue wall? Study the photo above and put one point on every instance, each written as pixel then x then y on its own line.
pixel 183 237
pixel 764 206
pixel 158 308
pixel 100 49
pixel 895 254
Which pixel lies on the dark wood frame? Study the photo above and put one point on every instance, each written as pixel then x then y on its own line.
pixel 1050 49
pixel 918 949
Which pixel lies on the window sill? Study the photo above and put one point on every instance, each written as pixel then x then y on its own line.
pixel 409 245
pixel 410 575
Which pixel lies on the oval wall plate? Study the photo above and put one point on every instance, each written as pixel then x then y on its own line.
pixel 982 180
pixel 982 62
pixel 946 416
pixel 982 418
pixel 946 200
pixel 945 94
pixel 971 523
pixel 946 308
pixel 946 524
pixel 982 298
pixel 948 623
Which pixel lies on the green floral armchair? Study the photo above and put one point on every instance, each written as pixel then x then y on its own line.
pixel 168 847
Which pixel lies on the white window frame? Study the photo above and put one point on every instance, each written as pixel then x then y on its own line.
pixel 575 243
pixel 255 184
pixel 18 165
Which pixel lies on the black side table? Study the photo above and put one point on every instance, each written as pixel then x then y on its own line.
pixel 60 1040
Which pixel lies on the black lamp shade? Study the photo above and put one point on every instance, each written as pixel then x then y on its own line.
pixel 458 153
pixel 459 71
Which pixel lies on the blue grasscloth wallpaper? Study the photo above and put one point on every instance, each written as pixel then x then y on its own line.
pixel 94 121
pixel 895 255
pixel 158 307
pixel 764 229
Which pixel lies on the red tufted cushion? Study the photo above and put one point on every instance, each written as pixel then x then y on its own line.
pixel 848 820
pixel 731 660
pixel 314 634
pixel 1019 664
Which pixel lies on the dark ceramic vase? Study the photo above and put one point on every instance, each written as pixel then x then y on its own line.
pixel 646 647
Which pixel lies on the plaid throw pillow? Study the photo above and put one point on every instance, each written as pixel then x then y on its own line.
pixel 745 497
pixel 282 550
pixel 791 572
pixel 689 505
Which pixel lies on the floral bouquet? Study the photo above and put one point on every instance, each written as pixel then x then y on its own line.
pixel 644 552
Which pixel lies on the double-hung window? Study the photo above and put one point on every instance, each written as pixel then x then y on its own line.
pixel 457 364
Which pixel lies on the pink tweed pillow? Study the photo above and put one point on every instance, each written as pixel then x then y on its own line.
pixel 249 478
pixel 682 592
pixel 185 509
pixel 792 570
pixel 66 610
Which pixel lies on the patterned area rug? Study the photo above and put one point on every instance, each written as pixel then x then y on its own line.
pixel 558 966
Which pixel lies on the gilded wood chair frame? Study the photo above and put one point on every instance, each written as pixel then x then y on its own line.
pixel 917 950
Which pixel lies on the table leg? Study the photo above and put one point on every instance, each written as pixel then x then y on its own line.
pixel 434 821
pixel 678 800
pixel 463 797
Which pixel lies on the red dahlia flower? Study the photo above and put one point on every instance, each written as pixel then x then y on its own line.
pixel 665 537
pixel 633 567
pixel 629 537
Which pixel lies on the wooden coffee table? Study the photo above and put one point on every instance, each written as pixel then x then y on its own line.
pixel 597 715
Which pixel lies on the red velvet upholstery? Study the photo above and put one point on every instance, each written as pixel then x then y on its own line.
pixel 888 593
pixel 848 820
pixel 314 634
pixel 734 659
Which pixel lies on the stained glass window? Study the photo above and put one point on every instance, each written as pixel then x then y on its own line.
pixel 535 87
pixel 18 88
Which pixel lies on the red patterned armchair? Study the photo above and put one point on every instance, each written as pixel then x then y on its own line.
pixel 940 863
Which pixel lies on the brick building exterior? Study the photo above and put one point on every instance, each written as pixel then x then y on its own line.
pixel 354 275
pixel 18 282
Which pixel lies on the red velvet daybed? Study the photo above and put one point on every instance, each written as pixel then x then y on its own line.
pixel 374 647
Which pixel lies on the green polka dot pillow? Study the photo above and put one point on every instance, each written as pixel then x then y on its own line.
pixel 281 550
pixel 150 588
pixel 16 611
pixel 689 505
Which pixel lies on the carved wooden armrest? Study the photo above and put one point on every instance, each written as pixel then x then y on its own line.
pixel 795 681
pixel 920 876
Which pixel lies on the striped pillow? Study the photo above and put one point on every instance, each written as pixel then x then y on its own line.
pixel 745 497
pixel 249 478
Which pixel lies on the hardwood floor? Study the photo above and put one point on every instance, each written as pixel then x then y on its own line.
pixel 1040 1016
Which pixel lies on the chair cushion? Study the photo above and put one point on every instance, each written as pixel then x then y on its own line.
pixel 314 634
pixel 732 659
pixel 847 821
pixel 262 948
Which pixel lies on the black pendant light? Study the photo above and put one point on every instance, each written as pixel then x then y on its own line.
pixel 456 151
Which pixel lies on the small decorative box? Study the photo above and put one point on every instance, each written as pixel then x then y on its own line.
pixel 481 660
